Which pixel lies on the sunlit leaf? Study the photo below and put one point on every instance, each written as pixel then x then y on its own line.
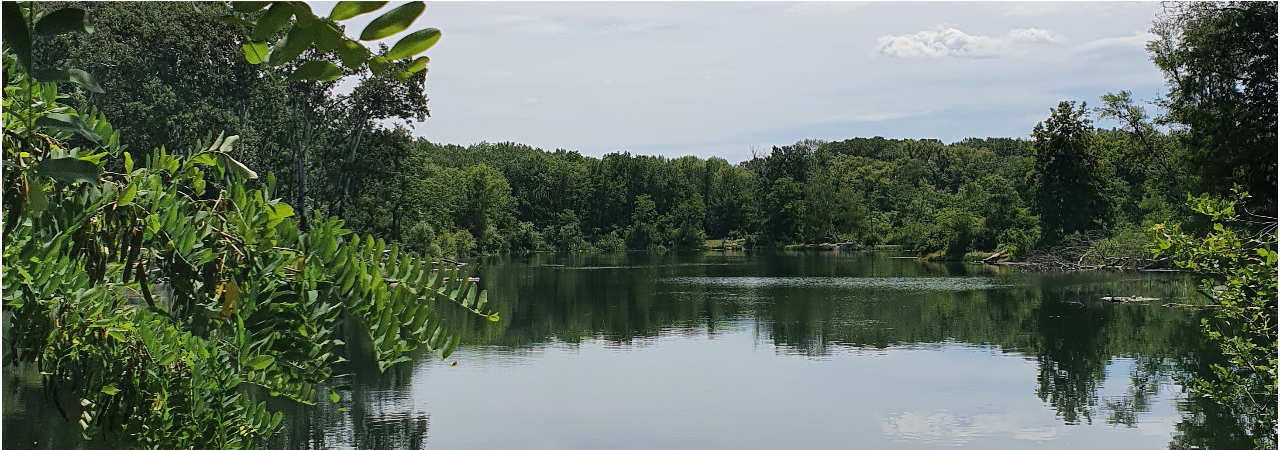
pixel 413 44
pixel 228 144
pixel 393 21
pixel 126 197
pixel 230 291
pixel 260 362
pixel 418 64
pixel 240 167
pixel 347 10
pixel 110 389
pixel 255 52
pixel 378 64
pixel 317 71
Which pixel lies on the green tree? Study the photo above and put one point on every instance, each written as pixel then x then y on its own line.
pixel 1072 182
pixel 644 233
pixel 688 217
pixel 1219 59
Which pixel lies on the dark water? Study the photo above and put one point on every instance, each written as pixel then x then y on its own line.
pixel 792 350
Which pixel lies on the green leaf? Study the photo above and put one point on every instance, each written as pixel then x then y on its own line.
pixel 271 22
pixel 65 20
pixel 347 10
pixel 393 21
pixel 69 170
pixel 302 11
pixel 279 213
pixel 240 167
pixel 353 54
pixel 450 344
pixel 76 76
pixel 418 64
pixel 291 47
pixel 413 44
pixel 68 123
pixel 37 200
pixel 327 37
pixel 377 65
pixel 260 362
pixel 255 52
pixel 248 7
pixel 16 35
pixel 126 197
pixel 333 396
pixel 110 389
pixel 316 70
pixel 204 158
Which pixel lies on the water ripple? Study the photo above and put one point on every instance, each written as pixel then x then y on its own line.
pixel 944 284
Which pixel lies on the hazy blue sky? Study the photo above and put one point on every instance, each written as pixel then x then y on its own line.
pixel 716 78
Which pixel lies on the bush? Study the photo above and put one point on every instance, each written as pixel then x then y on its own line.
pixel 611 243
pixel 1239 270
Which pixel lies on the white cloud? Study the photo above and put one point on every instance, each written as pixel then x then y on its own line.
pixel 1137 41
pixel 713 78
pixel 1034 35
pixel 953 42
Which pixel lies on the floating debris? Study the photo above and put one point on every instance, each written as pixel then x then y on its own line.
pixel 1129 299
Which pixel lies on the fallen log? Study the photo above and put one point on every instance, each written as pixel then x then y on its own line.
pixel 1131 299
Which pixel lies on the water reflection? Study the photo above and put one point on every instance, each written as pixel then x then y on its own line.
pixel 792 350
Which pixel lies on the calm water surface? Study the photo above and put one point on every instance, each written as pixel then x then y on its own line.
pixel 791 350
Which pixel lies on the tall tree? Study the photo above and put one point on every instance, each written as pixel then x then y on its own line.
pixel 1071 181
pixel 1220 62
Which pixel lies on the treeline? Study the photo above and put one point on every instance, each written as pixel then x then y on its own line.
pixel 976 194
pixel 174 73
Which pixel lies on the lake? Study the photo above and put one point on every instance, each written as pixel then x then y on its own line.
pixel 816 350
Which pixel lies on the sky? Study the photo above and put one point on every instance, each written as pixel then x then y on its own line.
pixel 724 78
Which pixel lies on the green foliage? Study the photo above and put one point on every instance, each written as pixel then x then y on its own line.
pixel 153 293
pixel 1239 266
pixel 1219 61
pixel 304 31
pixel 1073 181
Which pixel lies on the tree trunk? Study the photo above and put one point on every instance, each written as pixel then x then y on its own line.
pixel 301 137
pixel 348 164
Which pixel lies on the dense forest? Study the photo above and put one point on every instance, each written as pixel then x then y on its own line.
pixel 194 101
pixel 343 153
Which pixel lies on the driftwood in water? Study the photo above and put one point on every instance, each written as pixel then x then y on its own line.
pixel 993 258
pixel 1132 299
pixel 1090 251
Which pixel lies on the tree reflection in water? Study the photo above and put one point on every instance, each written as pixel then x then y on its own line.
pixel 810 305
